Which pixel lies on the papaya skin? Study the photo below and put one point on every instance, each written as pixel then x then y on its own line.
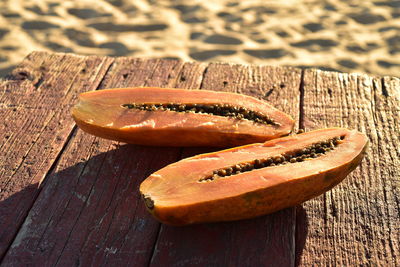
pixel 102 113
pixel 179 199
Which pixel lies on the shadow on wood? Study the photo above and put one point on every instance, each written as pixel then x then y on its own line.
pixel 263 241
pixel 91 213
pixel 301 233
pixel 9 221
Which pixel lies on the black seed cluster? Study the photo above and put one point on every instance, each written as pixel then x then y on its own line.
pixel 225 110
pixel 313 151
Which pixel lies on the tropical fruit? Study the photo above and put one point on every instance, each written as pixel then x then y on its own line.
pixel 252 180
pixel 179 117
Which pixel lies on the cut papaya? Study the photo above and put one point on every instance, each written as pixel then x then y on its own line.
pixel 252 180
pixel 179 117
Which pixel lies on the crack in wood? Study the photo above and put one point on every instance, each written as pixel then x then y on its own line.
pixel 203 75
pixel 330 92
pixel 268 93
pixel 103 79
pixel 384 89
pixel 301 100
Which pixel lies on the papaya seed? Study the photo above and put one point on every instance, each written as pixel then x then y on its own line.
pixel 265 163
pixel 222 172
pixel 237 167
pixel 277 159
pixel 129 106
pixel 148 202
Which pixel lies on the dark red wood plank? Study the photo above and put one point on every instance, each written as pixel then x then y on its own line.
pixel 35 124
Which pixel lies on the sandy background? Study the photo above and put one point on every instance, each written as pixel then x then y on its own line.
pixel 349 36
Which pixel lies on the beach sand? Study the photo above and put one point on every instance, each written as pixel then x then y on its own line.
pixel 349 36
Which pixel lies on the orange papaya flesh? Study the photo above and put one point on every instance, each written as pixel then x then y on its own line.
pixel 252 180
pixel 179 117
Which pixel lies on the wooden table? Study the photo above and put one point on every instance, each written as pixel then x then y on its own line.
pixel 68 198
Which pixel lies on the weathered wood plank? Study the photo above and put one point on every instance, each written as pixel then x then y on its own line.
pixel 356 223
pixel 266 241
pixel 35 124
pixel 89 211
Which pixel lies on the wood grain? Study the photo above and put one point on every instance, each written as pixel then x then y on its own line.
pixel 35 101
pixel 68 198
pixel 356 223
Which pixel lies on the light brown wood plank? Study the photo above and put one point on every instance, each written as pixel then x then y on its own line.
pixel 356 223
pixel 264 241
pixel 35 124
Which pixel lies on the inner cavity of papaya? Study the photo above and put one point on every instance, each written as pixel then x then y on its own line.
pixel 312 151
pixel 225 110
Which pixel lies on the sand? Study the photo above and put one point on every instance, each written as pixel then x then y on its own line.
pixel 349 36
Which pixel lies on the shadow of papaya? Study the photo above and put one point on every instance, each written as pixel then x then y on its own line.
pixel 87 210
pixel 13 210
pixel 91 213
pixel 270 240
pixel 301 233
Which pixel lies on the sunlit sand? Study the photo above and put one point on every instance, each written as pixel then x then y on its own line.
pixel 348 36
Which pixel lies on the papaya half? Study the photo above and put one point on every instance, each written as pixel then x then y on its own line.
pixel 252 180
pixel 179 117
